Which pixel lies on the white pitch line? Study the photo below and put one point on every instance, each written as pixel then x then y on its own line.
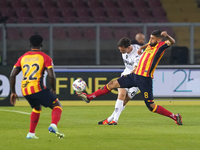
pixel 21 112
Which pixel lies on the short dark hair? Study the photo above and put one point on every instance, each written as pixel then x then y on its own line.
pixel 36 40
pixel 156 33
pixel 124 42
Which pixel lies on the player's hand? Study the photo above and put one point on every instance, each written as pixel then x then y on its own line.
pixel 53 91
pixel 164 33
pixel 13 98
pixel 139 51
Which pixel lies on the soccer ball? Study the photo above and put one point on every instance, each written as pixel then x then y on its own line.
pixel 79 85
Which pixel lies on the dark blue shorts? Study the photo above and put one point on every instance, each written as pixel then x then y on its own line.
pixel 143 83
pixel 44 98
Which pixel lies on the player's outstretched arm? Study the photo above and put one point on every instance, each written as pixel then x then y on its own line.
pixel 52 79
pixel 170 40
pixel 141 48
pixel 13 95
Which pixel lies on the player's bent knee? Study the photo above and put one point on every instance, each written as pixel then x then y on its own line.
pixel 149 106
pixel 113 84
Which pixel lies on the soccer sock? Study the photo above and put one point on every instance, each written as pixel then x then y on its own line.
pixel 56 115
pixel 99 92
pixel 161 110
pixel 111 117
pixel 34 118
pixel 118 109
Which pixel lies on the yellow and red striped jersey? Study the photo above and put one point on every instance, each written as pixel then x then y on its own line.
pixel 150 59
pixel 33 64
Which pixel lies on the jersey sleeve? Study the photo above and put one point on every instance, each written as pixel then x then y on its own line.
pixel 48 62
pixel 18 63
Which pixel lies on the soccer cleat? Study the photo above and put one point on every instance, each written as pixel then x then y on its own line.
pixel 178 119
pixel 83 96
pixel 103 122
pixel 29 136
pixel 112 123
pixel 56 131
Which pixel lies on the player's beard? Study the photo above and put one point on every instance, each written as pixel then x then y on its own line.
pixel 153 44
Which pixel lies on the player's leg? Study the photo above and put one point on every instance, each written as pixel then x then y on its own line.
pixel 56 112
pixel 119 105
pixel 126 81
pixel 146 90
pixel 125 94
pixel 48 99
pixel 34 117
pixel 55 118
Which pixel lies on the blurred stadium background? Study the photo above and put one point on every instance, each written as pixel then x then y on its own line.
pixel 85 32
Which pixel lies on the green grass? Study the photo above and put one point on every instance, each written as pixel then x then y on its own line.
pixel 137 129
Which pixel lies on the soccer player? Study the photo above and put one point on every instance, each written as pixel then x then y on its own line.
pixel 33 64
pixel 142 76
pixel 130 59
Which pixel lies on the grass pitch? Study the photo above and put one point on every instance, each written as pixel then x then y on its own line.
pixel 137 129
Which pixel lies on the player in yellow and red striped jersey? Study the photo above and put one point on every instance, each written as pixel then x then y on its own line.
pixel 33 65
pixel 142 76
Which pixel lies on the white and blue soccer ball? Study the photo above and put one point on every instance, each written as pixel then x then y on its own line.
pixel 79 85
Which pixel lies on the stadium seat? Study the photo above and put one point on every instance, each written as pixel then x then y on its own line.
pixel 158 12
pixel 3 4
pixel 22 13
pixel 13 34
pixel 99 15
pixel 106 33
pixel 113 12
pixel 25 20
pixel 85 20
pixel 78 4
pixel 53 15
pixel 69 12
pixel 84 12
pixel 144 13
pixel 55 20
pixel 123 4
pixel 48 4
pixel 33 3
pixel 38 12
pixel 128 12
pixel 154 3
pixel 40 20
pixel 63 4
pixel 17 4
pixel 70 19
pixel 139 4
pixel 100 19
pixel 59 33
pixel 162 19
pixel 89 33
pixel 94 4
pixel 116 19
pixel 10 13
pixel 75 33
pixel 109 3
pixel 131 19
pixel 84 15
pixel 147 20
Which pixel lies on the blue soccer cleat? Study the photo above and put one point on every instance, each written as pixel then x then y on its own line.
pixel 56 131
